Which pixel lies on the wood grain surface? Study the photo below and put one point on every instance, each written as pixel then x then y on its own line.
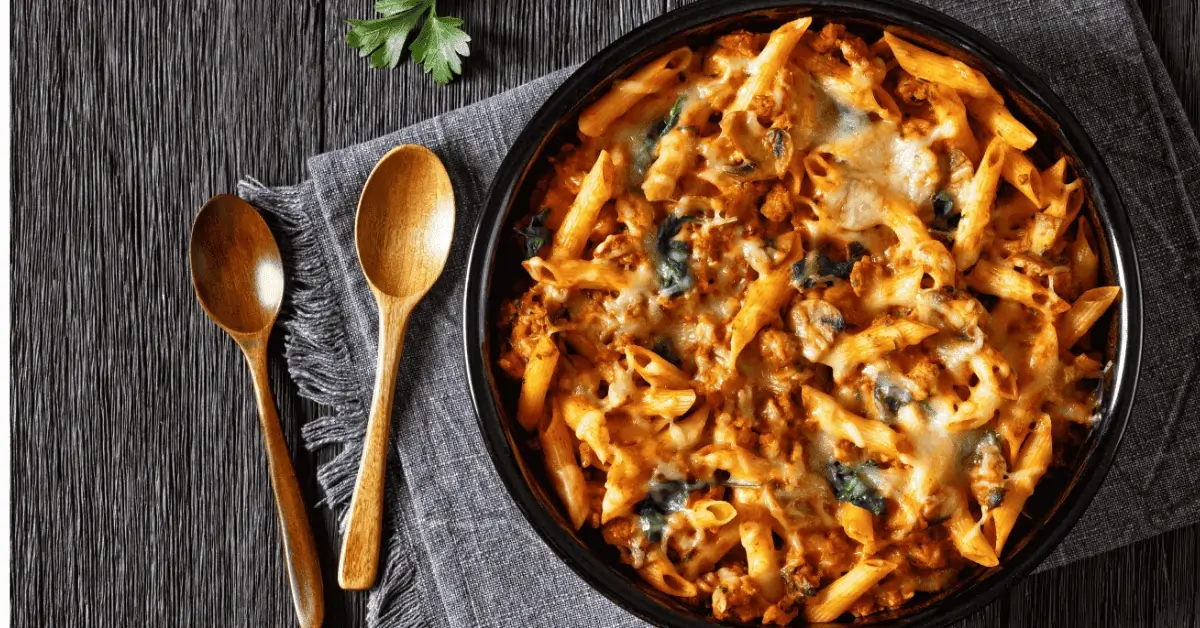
pixel 140 489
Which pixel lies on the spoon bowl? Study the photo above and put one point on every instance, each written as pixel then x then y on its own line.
pixel 238 276
pixel 236 267
pixel 405 222
pixel 403 232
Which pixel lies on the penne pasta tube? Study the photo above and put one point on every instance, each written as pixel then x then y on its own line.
pixel 936 68
pixel 565 474
pixel 594 192
pixel 588 423
pixel 711 513
pixel 1084 313
pixel 655 77
pixel 836 421
pixel 1032 463
pixel 768 62
pixel 655 370
pixel 859 525
pixel 881 338
pixel 1020 173
pixel 977 206
pixel 714 548
pixel 997 119
pixel 1005 282
pixel 836 598
pixel 952 120
pixel 763 301
pixel 577 273
pixel 662 575
pixel 967 534
pixel 762 561
pixel 538 373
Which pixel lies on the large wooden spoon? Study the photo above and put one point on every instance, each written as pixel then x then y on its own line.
pixel 238 278
pixel 403 231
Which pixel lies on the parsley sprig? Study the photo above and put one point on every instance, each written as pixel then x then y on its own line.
pixel 439 46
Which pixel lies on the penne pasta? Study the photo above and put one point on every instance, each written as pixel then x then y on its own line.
pixel 968 239
pixel 1084 313
pixel 576 273
pixel 836 598
pixel 653 78
pixel 1032 463
pixel 538 373
pixel 564 471
pixel 805 321
pixel 594 192
pixel 769 62
pixel 937 68
pixel 832 419
pixel 763 301
pixel 654 369
pixel 997 119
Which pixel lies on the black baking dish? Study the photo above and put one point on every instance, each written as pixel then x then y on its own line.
pixel 494 270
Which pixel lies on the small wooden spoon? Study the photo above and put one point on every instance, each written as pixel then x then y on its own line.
pixel 238 277
pixel 403 231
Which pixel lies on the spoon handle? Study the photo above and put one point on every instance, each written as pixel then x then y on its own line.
pixel 300 552
pixel 360 547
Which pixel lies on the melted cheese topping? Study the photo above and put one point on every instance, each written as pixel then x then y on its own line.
pixel 769 339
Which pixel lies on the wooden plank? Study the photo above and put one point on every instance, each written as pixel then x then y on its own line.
pixel 1152 583
pixel 140 491
pixel 512 42
pixel 1175 28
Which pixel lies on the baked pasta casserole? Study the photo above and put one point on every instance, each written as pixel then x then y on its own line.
pixel 807 322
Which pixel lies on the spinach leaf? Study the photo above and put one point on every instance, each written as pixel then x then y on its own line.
pixel 666 351
pixel 668 496
pixel 945 219
pixel 536 234
pixel 817 268
pixel 663 498
pixel 672 118
pixel 942 205
pixel 674 276
pixel 890 397
pixel 849 485
pixel 643 154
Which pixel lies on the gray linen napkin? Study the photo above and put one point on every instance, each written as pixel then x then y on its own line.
pixel 458 552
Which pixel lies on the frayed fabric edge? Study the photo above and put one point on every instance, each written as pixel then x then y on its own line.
pixel 318 360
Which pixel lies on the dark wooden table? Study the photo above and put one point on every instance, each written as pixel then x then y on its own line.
pixel 140 491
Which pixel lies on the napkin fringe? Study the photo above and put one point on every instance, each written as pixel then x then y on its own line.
pixel 318 359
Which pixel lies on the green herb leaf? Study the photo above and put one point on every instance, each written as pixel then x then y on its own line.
pixel 674 276
pixel 382 39
pixel 673 115
pixel 817 268
pixel 666 350
pixel 536 233
pixel 392 7
pixel 890 397
pixel 643 153
pixel 942 204
pixel 945 220
pixel 663 498
pixel 849 485
pixel 440 46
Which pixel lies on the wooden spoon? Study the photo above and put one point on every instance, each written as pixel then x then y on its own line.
pixel 238 278
pixel 403 231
